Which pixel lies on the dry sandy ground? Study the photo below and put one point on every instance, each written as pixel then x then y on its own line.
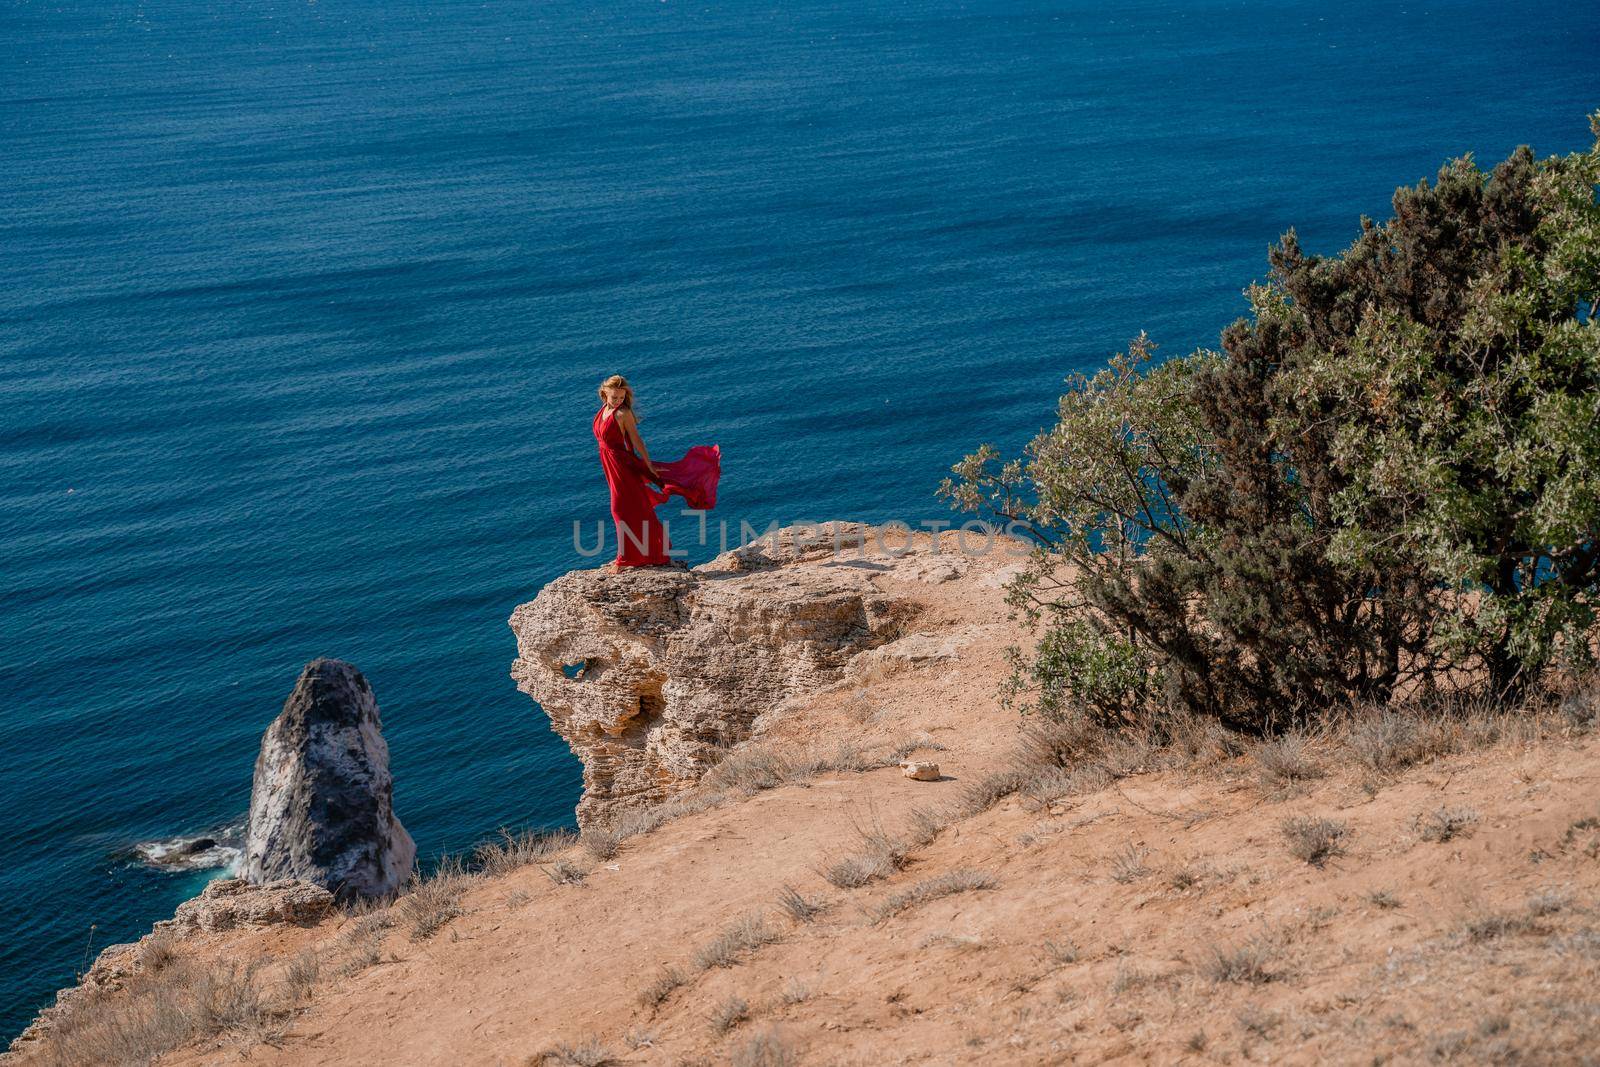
pixel 1160 919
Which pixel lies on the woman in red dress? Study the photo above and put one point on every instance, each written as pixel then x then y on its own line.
pixel 638 485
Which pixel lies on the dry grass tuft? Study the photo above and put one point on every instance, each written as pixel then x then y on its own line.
pixel 1315 841
pixel 366 951
pixel 1489 926
pixel 798 907
pixel 160 1011
pixel 1061 953
pixel 157 952
pixel 1285 761
pixel 635 823
pixel 737 940
pixel 729 1014
pixel 514 851
pixel 878 856
pixel 753 767
pixel 600 844
pixel 795 992
pixel 1128 865
pixel 991 789
pixel 767 1049
pixel 944 885
pixel 1446 823
pixel 565 872
pixel 1245 964
pixel 433 902
pixel 1257 1021
pixel 667 982
pixel 922 742
pixel 300 977
pixel 1382 899
pixel 1186 877
pixel 586 1053
pixel 926 826
pixel 638 1039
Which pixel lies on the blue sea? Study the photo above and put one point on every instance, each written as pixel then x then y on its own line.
pixel 303 304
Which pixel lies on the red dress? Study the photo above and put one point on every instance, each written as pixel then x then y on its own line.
pixel 641 537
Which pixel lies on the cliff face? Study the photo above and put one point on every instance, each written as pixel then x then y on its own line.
pixel 649 673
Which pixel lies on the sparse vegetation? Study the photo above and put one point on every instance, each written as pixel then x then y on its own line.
pixel 1382 899
pixel 963 880
pixel 588 1052
pixel 648 820
pixel 1488 926
pixel 1060 953
pixel 1128 865
pixel 1445 824
pixel 638 1039
pixel 166 1009
pixel 564 872
pixel 300 977
pixel 1314 840
pixel 877 856
pixel 366 950
pixel 434 901
pixel 798 907
pixel 1185 877
pixel 599 843
pixel 794 992
pixel 766 1049
pixel 756 766
pixel 156 952
pixel 513 851
pixel 1285 761
pixel 1257 1021
pixel 1245 964
pixel 728 1014
pixel 911 746
pixel 669 981
pixel 991 789
pixel 735 941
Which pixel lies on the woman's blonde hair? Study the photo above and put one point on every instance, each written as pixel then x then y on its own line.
pixel 617 381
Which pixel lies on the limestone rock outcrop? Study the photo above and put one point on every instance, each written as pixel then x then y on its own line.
pixel 650 674
pixel 322 803
pixel 230 902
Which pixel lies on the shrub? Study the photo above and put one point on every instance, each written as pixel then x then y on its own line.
pixel 1388 476
pixel 433 902
pixel 1446 824
pixel 1315 841
pixel 1244 964
pixel 728 1014
pixel 565 872
pixel 767 1049
pixel 799 907
pixel 666 983
pixel 586 1053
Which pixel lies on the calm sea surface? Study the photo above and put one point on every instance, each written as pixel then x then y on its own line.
pixel 303 304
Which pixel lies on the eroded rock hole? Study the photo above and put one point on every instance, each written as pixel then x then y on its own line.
pixel 581 670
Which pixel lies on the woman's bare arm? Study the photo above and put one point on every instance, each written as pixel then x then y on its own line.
pixel 630 428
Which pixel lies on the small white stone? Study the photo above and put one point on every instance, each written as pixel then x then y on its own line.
pixel 920 770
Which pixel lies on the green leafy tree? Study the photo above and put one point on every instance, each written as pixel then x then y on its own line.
pixel 1389 477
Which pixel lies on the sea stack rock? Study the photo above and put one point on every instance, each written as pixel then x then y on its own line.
pixel 321 808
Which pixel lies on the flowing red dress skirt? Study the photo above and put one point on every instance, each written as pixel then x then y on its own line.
pixel 641 537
